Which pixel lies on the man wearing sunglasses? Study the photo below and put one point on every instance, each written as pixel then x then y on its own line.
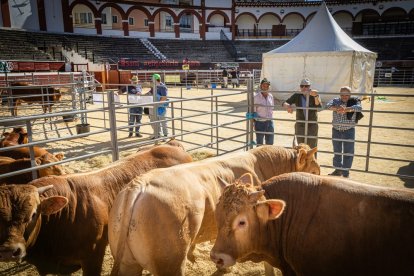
pixel 307 97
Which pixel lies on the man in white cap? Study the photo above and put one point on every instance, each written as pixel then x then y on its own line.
pixel 135 113
pixel 263 107
pixel 307 97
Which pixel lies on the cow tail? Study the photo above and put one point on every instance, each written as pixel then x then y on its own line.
pixel 126 199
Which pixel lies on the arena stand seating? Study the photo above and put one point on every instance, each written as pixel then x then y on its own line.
pixel 203 51
pixel 16 45
pixel 22 45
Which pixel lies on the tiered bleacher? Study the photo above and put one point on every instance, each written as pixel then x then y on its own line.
pixel 17 45
pixel 22 45
pixel 203 51
pixel 252 50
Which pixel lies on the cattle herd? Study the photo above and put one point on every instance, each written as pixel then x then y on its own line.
pixel 152 208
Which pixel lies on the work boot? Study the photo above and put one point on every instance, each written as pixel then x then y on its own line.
pixel 336 173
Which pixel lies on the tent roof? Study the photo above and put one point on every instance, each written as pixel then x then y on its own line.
pixel 322 34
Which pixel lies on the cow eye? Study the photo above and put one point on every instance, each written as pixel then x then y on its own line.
pixel 33 216
pixel 242 223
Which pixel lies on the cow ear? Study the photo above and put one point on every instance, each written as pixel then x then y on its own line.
pixel 246 178
pixel 301 159
pixel 223 183
pixel 53 204
pixel 312 152
pixel 270 209
pixel 59 155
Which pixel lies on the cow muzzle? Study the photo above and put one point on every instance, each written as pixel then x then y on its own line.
pixel 12 253
pixel 222 260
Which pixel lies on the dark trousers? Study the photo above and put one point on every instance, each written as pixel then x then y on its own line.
pixel 135 116
pixel 312 131
pixel 264 126
pixel 342 161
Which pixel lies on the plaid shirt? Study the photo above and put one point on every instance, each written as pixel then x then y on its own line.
pixel 340 121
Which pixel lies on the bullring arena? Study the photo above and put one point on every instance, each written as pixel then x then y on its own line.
pixel 89 50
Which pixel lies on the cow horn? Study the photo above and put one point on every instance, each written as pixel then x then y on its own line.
pixel 223 183
pixel 295 142
pixel 41 190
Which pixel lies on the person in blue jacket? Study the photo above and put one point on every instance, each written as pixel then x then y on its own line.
pixel 161 96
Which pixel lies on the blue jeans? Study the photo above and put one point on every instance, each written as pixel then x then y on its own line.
pixel 342 161
pixel 135 116
pixel 264 126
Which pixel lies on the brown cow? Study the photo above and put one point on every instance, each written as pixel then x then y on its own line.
pixel 17 137
pixel 10 165
pixel 24 152
pixel 77 235
pixel 329 226
pixel 46 96
pixel 159 218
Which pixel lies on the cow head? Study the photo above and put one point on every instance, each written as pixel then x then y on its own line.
pixel 305 159
pixel 48 159
pixel 241 214
pixel 21 208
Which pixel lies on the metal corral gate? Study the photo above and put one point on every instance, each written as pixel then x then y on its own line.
pixel 218 120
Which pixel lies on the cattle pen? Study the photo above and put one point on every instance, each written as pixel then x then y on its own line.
pixel 90 125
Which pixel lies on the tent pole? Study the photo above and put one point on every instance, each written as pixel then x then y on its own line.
pixel 351 77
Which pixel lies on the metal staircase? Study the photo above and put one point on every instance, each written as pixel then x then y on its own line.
pixel 154 50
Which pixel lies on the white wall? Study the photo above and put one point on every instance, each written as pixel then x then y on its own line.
pixel 343 19
pixel 268 21
pixel 217 20
pixel 23 15
pixel 114 32
pixel 245 22
pixel 54 16
pixel 218 3
pixel 84 31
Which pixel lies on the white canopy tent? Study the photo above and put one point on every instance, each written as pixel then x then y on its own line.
pixel 325 54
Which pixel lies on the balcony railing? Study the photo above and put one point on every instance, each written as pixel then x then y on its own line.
pixel 265 33
pixel 388 28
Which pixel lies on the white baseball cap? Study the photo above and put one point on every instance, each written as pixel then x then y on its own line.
pixel 305 81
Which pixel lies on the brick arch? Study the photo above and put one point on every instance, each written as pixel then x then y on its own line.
pixel 169 11
pixel 86 3
pixel 132 8
pixel 269 13
pixel 226 18
pixel 246 13
pixel 192 12
pixel 367 10
pixel 309 16
pixel 411 14
pixel 297 13
pixel 344 11
pixel 396 9
pixel 115 6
